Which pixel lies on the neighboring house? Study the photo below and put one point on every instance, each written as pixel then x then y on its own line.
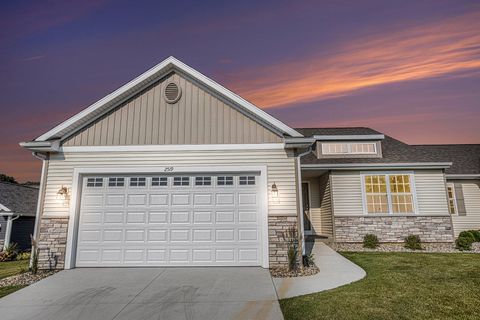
pixel 173 169
pixel 18 207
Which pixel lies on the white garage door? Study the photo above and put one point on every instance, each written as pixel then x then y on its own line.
pixel 159 220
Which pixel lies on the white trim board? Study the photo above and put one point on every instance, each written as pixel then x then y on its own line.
pixel 99 107
pixel 76 188
pixel 349 137
pixel 358 166
pixel 3 208
pixel 175 147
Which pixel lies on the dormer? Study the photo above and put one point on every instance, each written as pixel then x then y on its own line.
pixel 349 146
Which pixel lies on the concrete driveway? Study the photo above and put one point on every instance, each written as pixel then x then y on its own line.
pixel 147 293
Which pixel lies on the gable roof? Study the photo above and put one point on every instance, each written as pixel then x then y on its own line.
pixel 126 91
pixel 18 199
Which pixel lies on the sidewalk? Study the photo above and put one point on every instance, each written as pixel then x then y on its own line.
pixel 335 271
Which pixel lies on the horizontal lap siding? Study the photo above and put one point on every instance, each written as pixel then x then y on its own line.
pixel 198 117
pixel 430 192
pixel 347 193
pixel 320 205
pixel 471 194
pixel 280 166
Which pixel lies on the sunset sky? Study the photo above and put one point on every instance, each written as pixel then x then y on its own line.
pixel 410 69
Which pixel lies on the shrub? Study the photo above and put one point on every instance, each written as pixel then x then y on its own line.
pixel 413 242
pixel 308 260
pixel 467 234
pixel 9 253
pixel 23 256
pixel 476 234
pixel 370 241
pixel 464 243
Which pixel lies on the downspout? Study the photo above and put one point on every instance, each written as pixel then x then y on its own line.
pixel 301 237
pixel 8 231
pixel 41 197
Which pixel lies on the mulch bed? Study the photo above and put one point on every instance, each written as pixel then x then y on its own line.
pixel 399 247
pixel 25 279
pixel 300 272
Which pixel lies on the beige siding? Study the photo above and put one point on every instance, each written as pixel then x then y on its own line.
pixel 320 205
pixel 280 166
pixel 199 117
pixel 346 193
pixel 430 193
pixel 471 193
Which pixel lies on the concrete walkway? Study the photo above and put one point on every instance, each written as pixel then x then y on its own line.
pixel 335 271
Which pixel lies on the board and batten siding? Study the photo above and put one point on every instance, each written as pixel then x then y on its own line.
pixel 320 205
pixel 429 185
pixel 280 170
pixel 198 117
pixel 471 194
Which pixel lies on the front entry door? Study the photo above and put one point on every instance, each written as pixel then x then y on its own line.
pixel 307 225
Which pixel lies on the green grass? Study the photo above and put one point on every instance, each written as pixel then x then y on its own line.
pixel 10 289
pixel 399 286
pixel 11 268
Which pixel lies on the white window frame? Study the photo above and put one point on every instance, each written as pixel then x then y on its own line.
pixel 387 175
pixel 454 199
pixel 349 148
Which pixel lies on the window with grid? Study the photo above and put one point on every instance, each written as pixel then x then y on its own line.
pixel 138 182
pixel 246 180
pixel 94 182
pixel 181 181
pixel 203 181
pixel 452 208
pixel 389 193
pixel 116 182
pixel 225 181
pixel 349 148
pixel 159 181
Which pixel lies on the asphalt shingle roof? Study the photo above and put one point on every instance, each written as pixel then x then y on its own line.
pixel 465 157
pixel 19 199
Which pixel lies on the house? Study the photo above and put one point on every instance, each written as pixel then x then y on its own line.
pixel 172 169
pixel 18 207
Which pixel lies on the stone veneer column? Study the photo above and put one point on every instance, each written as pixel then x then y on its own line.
pixel 52 242
pixel 277 246
pixel 394 228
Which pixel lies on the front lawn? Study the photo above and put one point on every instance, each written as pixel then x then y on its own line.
pixel 11 268
pixel 399 286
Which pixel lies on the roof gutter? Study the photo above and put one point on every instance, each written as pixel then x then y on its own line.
pixel 463 176
pixel 42 146
pixel 369 166
pixel 299 143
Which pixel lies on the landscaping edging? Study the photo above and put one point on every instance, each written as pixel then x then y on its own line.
pixel 301 272
pixel 25 279
pixel 399 247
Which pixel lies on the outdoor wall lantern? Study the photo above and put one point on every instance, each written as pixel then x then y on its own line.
pixel 274 190
pixel 63 193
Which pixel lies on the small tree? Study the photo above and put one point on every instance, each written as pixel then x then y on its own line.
pixel 291 238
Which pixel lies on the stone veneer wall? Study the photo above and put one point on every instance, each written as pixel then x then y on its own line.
pixel 394 229
pixel 277 246
pixel 52 243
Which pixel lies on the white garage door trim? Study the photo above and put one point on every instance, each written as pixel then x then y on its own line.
pixel 77 187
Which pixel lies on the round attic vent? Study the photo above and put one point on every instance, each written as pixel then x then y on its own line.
pixel 172 92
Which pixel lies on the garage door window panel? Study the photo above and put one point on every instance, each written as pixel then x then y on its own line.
pixel 181 181
pixel 94 182
pixel 138 182
pixel 159 182
pixel 116 182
